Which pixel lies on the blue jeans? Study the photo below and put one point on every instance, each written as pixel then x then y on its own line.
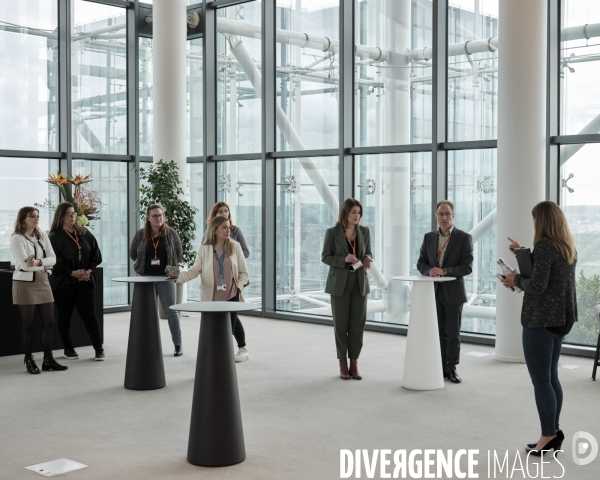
pixel 168 296
pixel 542 351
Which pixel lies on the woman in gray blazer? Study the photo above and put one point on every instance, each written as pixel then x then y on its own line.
pixel 347 251
pixel 548 313
pixel 152 249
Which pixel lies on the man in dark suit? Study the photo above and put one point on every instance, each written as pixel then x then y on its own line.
pixel 448 251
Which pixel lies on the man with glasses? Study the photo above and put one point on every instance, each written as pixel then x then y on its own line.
pixel 448 251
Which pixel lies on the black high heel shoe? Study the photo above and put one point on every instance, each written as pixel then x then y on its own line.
pixel 30 364
pixel 559 434
pixel 51 364
pixel 553 444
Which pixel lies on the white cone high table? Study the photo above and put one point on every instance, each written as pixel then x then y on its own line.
pixel 144 369
pixel 423 360
pixel 216 431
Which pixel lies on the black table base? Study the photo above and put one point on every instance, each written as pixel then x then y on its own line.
pixel 216 432
pixel 145 369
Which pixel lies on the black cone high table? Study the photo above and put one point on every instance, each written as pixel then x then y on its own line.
pixel 144 369
pixel 216 432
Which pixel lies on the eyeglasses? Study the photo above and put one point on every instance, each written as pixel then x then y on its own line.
pixel 33 216
pixel 71 214
pixel 156 216
pixel 444 214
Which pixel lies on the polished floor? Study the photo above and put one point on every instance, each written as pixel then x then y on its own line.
pixel 297 413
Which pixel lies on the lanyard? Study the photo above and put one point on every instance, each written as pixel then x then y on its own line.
pixel 155 245
pixel 352 244
pixel 440 250
pixel 220 261
pixel 76 240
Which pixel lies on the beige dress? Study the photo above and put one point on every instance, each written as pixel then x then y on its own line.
pixel 32 293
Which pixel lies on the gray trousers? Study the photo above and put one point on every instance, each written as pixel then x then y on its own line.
pixel 167 295
pixel 349 318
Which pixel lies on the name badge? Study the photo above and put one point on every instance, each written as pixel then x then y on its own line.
pixel 155 262
pixel 357 265
pixel 221 287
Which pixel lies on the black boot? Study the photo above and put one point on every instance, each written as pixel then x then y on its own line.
pixel 30 364
pixel 51 364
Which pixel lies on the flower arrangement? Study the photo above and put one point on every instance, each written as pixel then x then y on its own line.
pixel 74 190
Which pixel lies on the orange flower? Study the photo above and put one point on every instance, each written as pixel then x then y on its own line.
pixel 80 179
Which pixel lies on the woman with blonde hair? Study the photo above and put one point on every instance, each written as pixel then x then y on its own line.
pixel 34 261
pixel 223 273
pixel 347 251
pixel 548 314
pixel 221 209
pixel 153 249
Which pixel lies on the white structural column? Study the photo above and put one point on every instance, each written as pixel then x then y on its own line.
pixel 396 167
pixel 521 148
pixel 169 83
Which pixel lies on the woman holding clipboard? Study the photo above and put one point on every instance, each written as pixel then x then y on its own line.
pixel 347 251
pixel 548 313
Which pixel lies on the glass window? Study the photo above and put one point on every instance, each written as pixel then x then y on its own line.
pixel 145 99
pixel 239 56
pixel 240 186
pixel 393 90
pixel 194 98
pixel 307 74
pixel 472 70
pixel 195 103
pixel 29 75
pixel 580 67
pixel 22 184
pixel 472 180
pixel 196 199
pixel 395 192
pixel 109 181
pixel 307 205
pixel 99 78
pixel 580 199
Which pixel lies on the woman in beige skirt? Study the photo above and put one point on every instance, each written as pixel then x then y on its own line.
pixel 34 258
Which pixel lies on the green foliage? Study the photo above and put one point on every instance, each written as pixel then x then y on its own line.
pixel 164 188
pixel 588 296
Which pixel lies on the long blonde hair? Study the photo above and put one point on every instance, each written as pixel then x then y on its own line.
pixel 210 237
pixel 551 223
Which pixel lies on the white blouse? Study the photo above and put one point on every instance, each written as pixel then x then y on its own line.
pixel 23 246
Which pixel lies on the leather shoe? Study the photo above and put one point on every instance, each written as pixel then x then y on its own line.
pixel 453 376
pixel 178 351
pixel 354 369
pixel 559 434
pixel 344 373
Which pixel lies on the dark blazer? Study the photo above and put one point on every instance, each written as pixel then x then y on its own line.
pixel 67 258
pixel 550 299
pixel 458 262
pixel 335 250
